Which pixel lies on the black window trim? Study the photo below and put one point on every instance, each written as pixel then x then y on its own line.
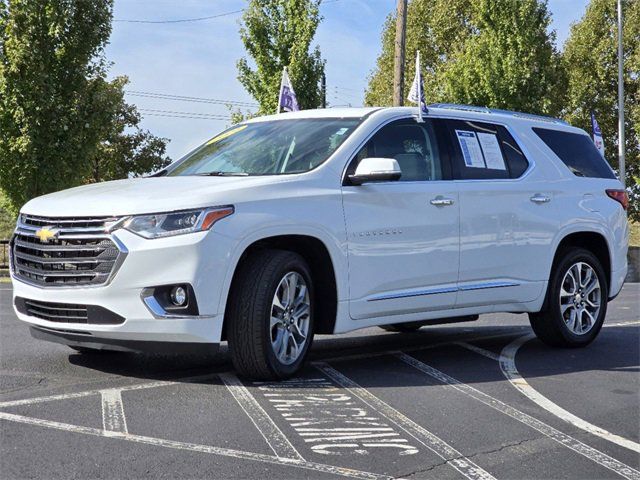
pixel 567 168
pixel 446 153
pixel 525 151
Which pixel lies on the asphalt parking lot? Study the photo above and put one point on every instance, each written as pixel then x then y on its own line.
pixel 478 400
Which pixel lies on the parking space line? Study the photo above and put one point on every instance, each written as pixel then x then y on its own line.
pixel 274 437
pixel 194 447
pixel 113 419
pixel 384 353
pixel 434 443
pixel 510 371
pixel 88 393
pixel 563 439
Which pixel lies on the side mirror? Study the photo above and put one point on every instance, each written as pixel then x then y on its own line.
pixel 376 170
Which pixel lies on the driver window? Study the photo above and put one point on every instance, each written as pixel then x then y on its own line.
pixel 413 145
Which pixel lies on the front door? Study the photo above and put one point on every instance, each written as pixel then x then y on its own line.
pixel 403 236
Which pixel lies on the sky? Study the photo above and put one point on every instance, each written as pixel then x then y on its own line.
pixel 198 59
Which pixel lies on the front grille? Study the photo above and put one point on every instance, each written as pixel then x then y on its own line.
pixel 67 312
pixel 79 251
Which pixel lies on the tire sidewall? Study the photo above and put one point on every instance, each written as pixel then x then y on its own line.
pixel 295 264
pixel 569 259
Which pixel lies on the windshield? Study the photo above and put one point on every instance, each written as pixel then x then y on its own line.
pixel 268 148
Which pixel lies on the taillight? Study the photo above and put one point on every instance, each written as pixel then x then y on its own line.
pixel 619 196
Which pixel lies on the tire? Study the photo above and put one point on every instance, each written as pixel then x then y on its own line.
pixel 258 349
pixel 407 327
pixel 568 317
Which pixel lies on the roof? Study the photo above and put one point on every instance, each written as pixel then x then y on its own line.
pixel 438 109
pixel 320 113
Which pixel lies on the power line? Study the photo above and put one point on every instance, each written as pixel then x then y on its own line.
pixel 177 114
pixel 197 19
pixel 184 98
pixel 183 20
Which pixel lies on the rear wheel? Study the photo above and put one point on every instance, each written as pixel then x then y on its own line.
pixel 576 301
pixel 270 317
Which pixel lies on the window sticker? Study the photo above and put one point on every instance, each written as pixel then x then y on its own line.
pixel 226 134
pixel 491 149
pixel 470 149
pixel 342 131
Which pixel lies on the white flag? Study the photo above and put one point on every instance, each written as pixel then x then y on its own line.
pixel 416 94
pixel 597 134
pixel 287 101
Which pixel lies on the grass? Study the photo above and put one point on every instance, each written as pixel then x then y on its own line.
pixel 634 237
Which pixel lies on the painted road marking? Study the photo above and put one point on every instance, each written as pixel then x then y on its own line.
pixel 510 371
pixel 434 443
pixel 164 383
pixel 194 447
pixel 274 437
pixel 88 393
pixel 562 438
pixel 331 421
pixel 113 419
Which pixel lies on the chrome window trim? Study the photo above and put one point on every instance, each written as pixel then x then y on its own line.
pixel 526 152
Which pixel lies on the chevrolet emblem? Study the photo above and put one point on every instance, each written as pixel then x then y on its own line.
pixel 45 234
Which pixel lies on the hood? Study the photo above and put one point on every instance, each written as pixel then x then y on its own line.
pixel 143 195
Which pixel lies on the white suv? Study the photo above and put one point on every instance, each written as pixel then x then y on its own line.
pixel 326 221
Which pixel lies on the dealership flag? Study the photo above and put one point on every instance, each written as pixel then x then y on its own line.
pixel 597 134
pixel 416 94
pixel 287 101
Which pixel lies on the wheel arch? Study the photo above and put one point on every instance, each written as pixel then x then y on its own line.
pixel 594 241
pixel 323 269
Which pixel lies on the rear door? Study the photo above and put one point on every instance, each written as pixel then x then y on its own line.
pixel 506 225
pixel 403 235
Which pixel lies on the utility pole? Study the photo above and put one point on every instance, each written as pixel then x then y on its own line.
pixel 398 61
pixel 621 162
pixel 323 88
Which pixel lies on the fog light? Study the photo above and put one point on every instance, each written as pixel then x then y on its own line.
pixel 178 296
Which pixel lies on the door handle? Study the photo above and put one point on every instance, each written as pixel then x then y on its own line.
pixel 441 201
pixel 540 198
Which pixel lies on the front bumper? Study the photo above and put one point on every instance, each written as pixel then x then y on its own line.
pixel 198 259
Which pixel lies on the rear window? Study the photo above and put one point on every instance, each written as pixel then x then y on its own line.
pixel 577 152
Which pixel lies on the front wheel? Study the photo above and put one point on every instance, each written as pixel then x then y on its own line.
pixel 576 301
pixel 270 317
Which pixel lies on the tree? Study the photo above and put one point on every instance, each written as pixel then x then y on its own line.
pixel 483 52
pixel 123 148
pixel 591 61
pixel 434 27
pixel 53 97
pixel 510 63
pixel 278 34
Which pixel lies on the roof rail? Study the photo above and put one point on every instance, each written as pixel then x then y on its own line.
pixel 497 111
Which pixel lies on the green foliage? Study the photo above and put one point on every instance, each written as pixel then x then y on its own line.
pixel 7 218
pixel 591 61
pixel 278 34
pixel 58 114
pixel 483 52
pixel 123 148
pixel 511 63
pixel 435 28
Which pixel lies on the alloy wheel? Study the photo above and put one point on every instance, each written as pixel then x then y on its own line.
pixel 290 317
pixel 580 298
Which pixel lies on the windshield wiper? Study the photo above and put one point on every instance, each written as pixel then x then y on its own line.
pixel 223 174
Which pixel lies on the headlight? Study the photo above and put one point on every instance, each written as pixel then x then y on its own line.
pixel 159 225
